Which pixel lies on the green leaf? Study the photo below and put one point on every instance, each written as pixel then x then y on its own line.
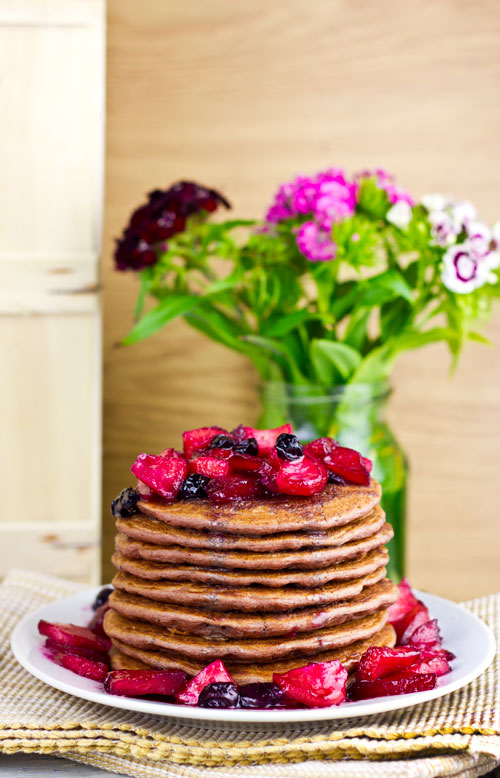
pixel 356 330
pixel 158 317
pixel 476 336
pixel 331 358
pixel 144 288
pixel 279 325
pixel 373 291
pixel 280 352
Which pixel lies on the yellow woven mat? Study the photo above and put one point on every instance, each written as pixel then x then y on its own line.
pixel 456 735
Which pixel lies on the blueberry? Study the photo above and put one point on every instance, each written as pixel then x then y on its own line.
pixel 193 487
pixel 248 446
pixel 219 695
pixel 333 478
pixel 288 446
pixel 221 441
pixel 125 505
pixel 102 597
pixel 260 695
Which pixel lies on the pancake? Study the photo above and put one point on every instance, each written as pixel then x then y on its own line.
pixel 334 506
pixel 151 530
pixel 344 571
pixel 152 637
pixel 301 559
pixel 222 624
pixel 244 598
pixel 124 657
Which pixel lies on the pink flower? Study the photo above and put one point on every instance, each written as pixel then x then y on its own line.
pixel 386 182
pixel 315 243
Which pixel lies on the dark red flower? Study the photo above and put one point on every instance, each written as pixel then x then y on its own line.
pixel 163 215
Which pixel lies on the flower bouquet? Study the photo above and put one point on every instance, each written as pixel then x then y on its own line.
pixel 323 294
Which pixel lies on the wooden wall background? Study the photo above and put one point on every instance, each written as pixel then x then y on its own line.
pixel 241 95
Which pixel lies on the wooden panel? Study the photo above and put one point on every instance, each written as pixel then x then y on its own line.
pixel 67 550
pixel 51 162
pixel 51 422
pixel 51 111
pixel 243 95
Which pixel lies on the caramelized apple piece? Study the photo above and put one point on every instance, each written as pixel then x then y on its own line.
pixel 317 685
pixel 139 683
pixel 215 672
pixel 96 671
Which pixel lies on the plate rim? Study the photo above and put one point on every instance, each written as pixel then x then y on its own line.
pixel 236 716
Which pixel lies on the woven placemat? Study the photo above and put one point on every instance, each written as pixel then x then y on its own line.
pixel 456 735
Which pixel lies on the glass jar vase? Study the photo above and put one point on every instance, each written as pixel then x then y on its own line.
pixel 353 414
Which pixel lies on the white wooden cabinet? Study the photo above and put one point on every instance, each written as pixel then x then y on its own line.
pixel 52 76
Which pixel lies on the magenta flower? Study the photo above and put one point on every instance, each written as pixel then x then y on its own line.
pixel 315 243
pixel 325 198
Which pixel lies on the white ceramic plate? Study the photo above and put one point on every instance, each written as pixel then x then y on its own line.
pixel 463 633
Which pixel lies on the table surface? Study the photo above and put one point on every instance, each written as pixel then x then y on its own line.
pixel 32 766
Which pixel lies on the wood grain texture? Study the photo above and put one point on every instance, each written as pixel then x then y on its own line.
pixel 243 95
pixel 51 163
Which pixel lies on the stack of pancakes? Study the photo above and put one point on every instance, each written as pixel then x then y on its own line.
pixel 263 585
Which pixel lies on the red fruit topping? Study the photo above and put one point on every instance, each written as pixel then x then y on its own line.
pixel 168 453
pixel 163 475
pixel 317 685
pixel 266 439
pixel 405 602
pixel 221 453
pixel 406 626
pixel 70 636
pixel 95 625
pixel 212 673
pixel 234 487
pixel 431 662
pixel 139 683
pixel 379 661
pixel 96 671
pixel 367 463
pixel 267 475
pixel 209 466
pixel 399 683
pixel 244 463
pixel 303 476
pixel 349 464
pixel 320 448
pixel 144 491
pixel 426 636
pixel 87 653
pixel 198 439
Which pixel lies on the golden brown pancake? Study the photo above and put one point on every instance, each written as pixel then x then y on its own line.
pixel 152 637
pixel 151 530
pixel 247 560
pixel 344 571
pixel 221 624
pixel 333 507
pixel 124 657
pixel 244 598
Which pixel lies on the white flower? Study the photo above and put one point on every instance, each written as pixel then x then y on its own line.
pixel 399 214
pixel 434 202
pixel 462 214
pixel 464 270
pixel 495 234
pixel 442 228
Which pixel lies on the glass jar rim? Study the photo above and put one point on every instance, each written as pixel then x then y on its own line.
pixel 302 394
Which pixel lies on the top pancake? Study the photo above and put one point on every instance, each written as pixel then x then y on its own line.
pixel 334 506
